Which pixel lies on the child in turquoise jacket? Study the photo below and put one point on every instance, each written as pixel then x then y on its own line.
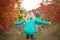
pixel 38 26
pixel 30 28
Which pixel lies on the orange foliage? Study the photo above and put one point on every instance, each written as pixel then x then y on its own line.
pixel 7 14
pixel 50 12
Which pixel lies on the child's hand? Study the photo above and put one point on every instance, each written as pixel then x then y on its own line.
pixel 49 22
pixel 24 23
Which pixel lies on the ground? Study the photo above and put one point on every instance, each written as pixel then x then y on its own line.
pixel 48 33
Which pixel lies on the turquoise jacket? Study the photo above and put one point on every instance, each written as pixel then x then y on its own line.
pixel 37 17
pixel 30 28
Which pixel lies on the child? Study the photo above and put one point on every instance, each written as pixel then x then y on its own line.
pixel 38 26
pixel 21 17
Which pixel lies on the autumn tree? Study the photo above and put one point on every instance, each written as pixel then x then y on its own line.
pixel 8 11
pixel 50 12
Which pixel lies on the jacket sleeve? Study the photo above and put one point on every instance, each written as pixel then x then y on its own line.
pixel 41 22
pixel 19 22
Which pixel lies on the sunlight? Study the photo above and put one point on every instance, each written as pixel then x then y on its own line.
pixel 31 4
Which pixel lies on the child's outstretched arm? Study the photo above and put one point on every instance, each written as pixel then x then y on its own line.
pixel 42 22
pixel 19 22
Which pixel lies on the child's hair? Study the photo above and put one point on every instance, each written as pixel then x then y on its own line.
pixel 29 14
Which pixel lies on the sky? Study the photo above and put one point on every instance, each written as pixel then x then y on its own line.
pixel 31 4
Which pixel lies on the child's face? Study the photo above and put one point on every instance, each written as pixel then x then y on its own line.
pixel 21 11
